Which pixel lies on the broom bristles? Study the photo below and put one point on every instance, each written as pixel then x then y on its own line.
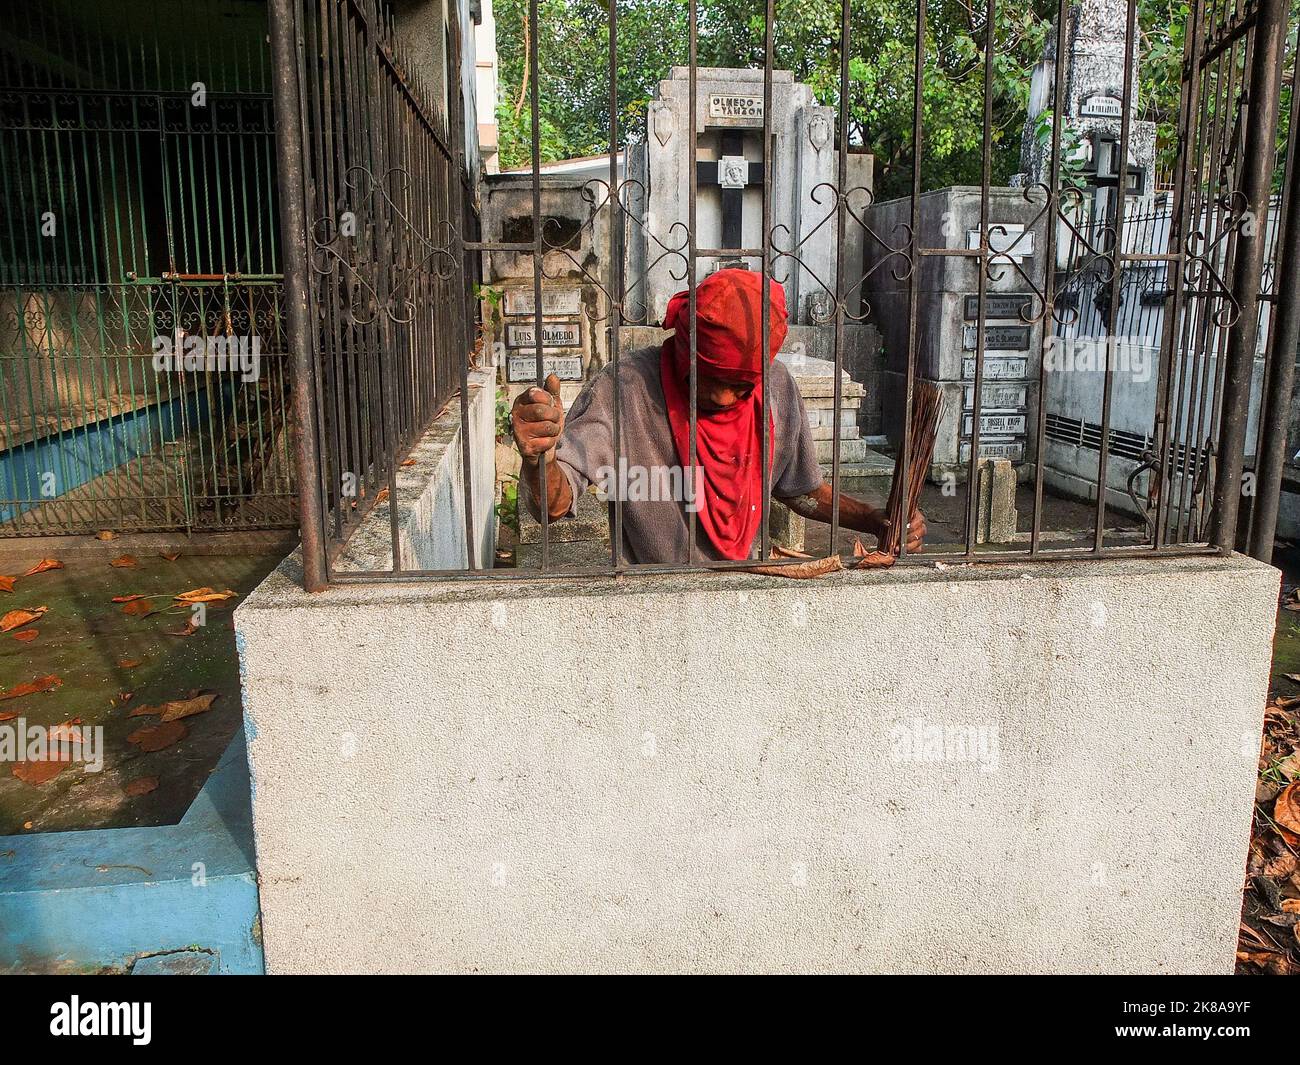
pixel 927 410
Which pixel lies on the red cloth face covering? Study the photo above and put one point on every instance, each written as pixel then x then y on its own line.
pixel 729 341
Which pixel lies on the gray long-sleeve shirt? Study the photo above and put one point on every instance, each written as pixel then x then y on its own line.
pixel 655 516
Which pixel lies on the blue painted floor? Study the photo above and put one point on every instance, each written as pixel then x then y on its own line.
pixel 173 899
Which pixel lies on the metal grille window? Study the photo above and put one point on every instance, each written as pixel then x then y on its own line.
pixel 1151 257
pixel 138 212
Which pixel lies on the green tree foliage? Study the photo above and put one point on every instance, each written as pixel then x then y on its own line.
pixel 574 73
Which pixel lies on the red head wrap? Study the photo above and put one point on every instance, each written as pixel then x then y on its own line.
pixel 729 341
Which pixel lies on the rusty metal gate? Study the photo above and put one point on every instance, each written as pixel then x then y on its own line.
pixel 377 206
pixel 143 368
pixel 380 161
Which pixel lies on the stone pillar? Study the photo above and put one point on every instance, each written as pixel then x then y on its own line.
pixel 814 229
pixel 995 521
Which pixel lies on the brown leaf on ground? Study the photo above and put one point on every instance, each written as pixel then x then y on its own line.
pixel 139 608
pixel 141 786
pixel 1285 702
pixel 17 618
pixel 124 561
pixel 1283 865
pixel 66 731
pixel 38 773
pixel 27 635
pixel 1286 812
pixel 381 495
pixel 409 462
pixel 43 565
pixel 156 737
pixel 31 687
pixel 129 598
pixel 197 704
pixel 189 630
pixel 7 584
pixel 175 709
pixel 170 556
pixel 123 698
pixel 106 534
pixel 128 663
pixel 8 715
pixel 204 595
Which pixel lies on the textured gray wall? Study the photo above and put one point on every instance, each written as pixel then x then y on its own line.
pixel 705 773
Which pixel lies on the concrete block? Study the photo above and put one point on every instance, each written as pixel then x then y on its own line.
pixel 996 503
pixel 1006 769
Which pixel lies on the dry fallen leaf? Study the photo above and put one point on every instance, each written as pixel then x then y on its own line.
pixel 1286 812
pixel 189 630
pixel 204 595
pixel 43 565
pixel 31 687
pixel 8 715
pixel 156 737
pixel 141 786
pixel 409 462
pixel 179 708
pixel 27 635
pixel 129 598
pixel 124 562
pixel 175 709
pixel 7 584
pixel 128 663
pixel 381 495
pixel 1283 865
pixel 170 556
pixel 17 618
pixel 139 608
pixel 106 534
pixel 38 773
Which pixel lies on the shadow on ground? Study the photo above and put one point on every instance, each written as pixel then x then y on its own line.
pixel 110 663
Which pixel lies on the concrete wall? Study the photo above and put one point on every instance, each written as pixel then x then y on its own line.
pixel 712 772
pixel 431 496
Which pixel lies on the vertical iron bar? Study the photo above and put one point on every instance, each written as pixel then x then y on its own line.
pixel 842 215
pixel 1265 84
pixel 1275 415
pixel 456 208
pixel 616 288
pixel 1116 276
pixel 765 433
pixel 985 262
pixel 538 254
pixel 1180 221
pixel 692 60
pixel 289 159
pixel 1059 103
pixel 914 241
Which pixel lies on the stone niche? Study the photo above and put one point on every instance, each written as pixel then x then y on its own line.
pixel 947 319
pixel 575 277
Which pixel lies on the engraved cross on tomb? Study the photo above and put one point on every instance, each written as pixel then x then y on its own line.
pixel 732 173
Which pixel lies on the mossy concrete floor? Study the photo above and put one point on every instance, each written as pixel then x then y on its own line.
pixel 89 644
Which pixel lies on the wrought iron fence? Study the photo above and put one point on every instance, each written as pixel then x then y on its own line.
pixel 369 143
pixel 137 192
